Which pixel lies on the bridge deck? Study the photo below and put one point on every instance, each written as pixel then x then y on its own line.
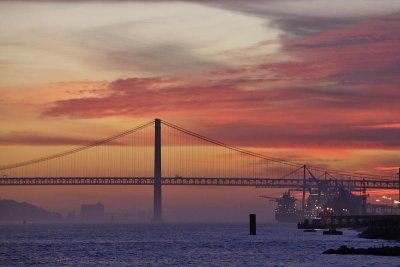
pixel 347 221
pixel 256 182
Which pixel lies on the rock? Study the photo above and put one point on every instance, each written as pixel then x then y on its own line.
pixel 379 251
pixel 380 232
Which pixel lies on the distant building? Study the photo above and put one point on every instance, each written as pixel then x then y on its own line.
pixel 92 212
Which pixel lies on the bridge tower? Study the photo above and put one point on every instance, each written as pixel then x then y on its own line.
pixel 157 172
pixel 303 201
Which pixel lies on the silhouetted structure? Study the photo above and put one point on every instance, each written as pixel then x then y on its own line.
pixel 286 210
pixel 157 172
pixel 253 223
pixel 347 221
pixel 13 211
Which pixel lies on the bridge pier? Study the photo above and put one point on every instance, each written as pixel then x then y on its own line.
pixel 303 200
pixel 157 209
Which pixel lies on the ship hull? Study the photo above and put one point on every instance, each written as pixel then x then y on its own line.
pixel 287 218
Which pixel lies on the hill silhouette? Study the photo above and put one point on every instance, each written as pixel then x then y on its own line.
pixel 13 211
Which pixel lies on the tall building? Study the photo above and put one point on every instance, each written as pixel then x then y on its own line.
pixel 92 212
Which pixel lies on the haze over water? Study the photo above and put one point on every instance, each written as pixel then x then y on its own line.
pixel 178 244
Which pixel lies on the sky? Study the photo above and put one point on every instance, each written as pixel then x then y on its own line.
pixel 310 81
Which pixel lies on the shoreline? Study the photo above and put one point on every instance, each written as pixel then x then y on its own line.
pixel 392 251
pixel 381 232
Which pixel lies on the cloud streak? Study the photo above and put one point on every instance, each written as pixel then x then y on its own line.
pixel 342 84
pixel 29 138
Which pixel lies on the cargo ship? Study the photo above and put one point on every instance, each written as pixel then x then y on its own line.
pixel 333 201
pixel 286 211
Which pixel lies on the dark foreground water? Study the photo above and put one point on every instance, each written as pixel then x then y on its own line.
pixel 177 244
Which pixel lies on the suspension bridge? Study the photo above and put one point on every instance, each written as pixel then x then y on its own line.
pixel 159 153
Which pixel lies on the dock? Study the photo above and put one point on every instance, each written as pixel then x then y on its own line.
pixel 349 221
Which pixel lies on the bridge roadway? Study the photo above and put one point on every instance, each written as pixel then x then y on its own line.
pixel 347 221
pixel 257 182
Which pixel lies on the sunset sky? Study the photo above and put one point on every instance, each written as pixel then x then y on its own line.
pixel 309 81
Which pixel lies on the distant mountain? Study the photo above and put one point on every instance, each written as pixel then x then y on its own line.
pixel 13 211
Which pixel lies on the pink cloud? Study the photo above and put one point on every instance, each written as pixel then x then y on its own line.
pixel 341 82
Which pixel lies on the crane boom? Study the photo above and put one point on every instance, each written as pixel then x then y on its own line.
pixel 272 198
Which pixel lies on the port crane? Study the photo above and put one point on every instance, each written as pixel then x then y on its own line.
pixel 272 199
pixel 275 199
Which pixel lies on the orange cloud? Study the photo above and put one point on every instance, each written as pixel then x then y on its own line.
pixel 341 85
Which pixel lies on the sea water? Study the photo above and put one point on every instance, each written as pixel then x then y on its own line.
pixel 178 245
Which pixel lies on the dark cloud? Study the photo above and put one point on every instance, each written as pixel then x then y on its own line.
pixel 308 25
pixel 29 138
pixel 289 20
pixel 117 47
pixel 298 134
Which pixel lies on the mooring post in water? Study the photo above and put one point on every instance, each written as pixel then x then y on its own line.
pixel 252 224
